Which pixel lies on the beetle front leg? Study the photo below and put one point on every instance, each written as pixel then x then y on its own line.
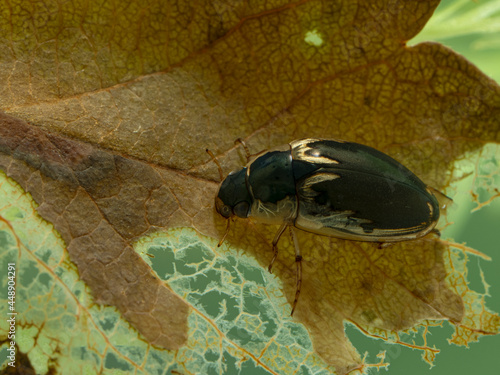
pixel 275 244
pixel 298 274
pixel 247 151
pixel 225 234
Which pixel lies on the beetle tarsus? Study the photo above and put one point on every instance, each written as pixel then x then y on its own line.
pixel 299 284
pixel 225 234
pixel 298 274
pixel 270 268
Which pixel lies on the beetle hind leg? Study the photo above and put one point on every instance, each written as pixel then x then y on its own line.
pixel 298 274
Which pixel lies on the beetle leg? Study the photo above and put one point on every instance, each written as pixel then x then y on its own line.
pixel 217 163
pixel 275 244
pixel 298 262
pixel 225 234
pixel 247 151
pixel 436 232
pixel 384 245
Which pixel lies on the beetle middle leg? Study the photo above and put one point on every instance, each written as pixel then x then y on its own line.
pixel 298 262
pixel 298 259
pixel 275 244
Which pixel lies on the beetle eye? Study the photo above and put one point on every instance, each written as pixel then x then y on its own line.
pixel 226 211
pixel 241 209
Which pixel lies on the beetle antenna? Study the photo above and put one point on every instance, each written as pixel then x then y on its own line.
pixel 216 162
pixel 225 234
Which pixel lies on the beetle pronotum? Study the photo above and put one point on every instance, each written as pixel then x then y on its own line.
pixel 329 187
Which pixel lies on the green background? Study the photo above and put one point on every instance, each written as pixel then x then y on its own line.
pixel 480 230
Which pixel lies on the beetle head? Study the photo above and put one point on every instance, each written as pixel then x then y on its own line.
pixel 233 197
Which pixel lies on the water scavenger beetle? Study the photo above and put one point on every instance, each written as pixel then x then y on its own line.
pixel 328 187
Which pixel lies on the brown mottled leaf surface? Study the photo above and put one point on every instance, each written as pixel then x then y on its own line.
pixel 109 110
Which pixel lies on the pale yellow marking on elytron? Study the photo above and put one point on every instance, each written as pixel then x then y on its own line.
pixel 316 179
pixel 301 147
pixel 393 232
pixel 431 210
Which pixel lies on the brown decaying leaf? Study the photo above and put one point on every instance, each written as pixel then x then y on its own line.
pixel 115 148
pixel 81 190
